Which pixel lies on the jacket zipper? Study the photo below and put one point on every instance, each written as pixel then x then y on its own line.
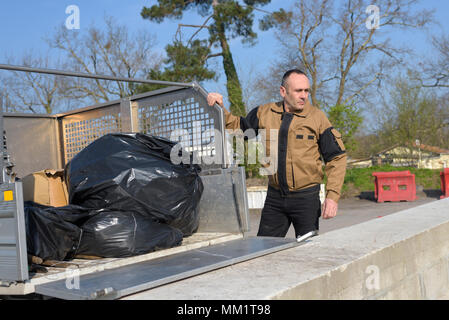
pixel 293 175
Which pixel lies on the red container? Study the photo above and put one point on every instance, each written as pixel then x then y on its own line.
pixel 444 176
pixel 394 186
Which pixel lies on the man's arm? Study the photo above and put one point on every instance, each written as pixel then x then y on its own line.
pixel 231 121
pixel 334 155
pixel 251 121
pixel 335 172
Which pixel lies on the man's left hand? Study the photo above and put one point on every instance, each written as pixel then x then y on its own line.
pixel 330 208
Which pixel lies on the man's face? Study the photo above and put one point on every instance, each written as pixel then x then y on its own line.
pixel 295 92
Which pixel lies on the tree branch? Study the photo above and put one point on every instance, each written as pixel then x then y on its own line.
pixel 200 28
pixel 366 85
pixel 214 55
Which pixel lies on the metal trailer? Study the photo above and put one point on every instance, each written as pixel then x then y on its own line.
pixel 36 142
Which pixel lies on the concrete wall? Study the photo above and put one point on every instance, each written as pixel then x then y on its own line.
pixel 399 256
pixel 415 268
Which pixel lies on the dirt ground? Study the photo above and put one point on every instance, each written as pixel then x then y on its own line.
pixel 356 210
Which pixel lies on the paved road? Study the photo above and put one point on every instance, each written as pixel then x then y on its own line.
pixel 353 211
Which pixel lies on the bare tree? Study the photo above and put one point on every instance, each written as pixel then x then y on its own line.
pixel 340 48
pixel 31 92
pixel 435 74
pixel 112 51
pixel 251 94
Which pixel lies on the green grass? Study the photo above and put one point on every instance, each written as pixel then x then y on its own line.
pixel 361 179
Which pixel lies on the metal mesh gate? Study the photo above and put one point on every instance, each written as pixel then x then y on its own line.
pixel 79 133
pixel 177 114
pixel 186 119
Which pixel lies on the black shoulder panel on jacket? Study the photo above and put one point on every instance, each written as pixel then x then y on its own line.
pixel 251 121
pixel 329 146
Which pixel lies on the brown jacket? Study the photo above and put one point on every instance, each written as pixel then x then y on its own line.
pixel 303 138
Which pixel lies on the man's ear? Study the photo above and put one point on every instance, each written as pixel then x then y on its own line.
pixel 282 91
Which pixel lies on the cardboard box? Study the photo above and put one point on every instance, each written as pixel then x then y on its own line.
pixel 46 187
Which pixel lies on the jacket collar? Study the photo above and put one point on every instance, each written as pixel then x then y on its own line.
pixel 278 107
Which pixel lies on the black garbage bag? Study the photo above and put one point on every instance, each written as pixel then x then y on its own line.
pixel 115 234
pixel 133 171
pixel 54 233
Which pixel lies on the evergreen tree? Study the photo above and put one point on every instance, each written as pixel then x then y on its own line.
pixel 230 19
pixel 183 64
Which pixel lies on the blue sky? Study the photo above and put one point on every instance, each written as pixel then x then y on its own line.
pixel 25 24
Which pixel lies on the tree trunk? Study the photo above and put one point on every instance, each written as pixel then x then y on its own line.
pixel 233 86
pixel 341 90
pixel 313 89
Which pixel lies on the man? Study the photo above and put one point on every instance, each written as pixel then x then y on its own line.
pixel 305 135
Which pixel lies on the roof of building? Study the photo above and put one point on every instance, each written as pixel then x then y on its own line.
pixel 430 148
pixel 423 147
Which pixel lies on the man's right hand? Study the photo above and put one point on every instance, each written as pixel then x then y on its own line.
pixel 213 98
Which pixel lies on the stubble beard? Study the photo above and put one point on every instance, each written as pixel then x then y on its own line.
pixel 295 107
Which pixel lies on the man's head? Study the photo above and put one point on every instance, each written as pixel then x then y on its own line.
pixel 295 89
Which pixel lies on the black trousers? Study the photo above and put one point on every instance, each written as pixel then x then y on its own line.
pixel 302 209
